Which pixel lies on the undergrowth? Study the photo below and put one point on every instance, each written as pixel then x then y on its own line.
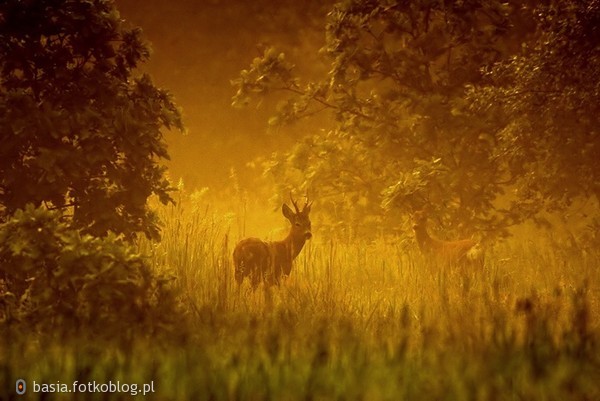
pixel 355 320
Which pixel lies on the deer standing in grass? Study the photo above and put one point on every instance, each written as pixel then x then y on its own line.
pixel 269 261
pixel 448 253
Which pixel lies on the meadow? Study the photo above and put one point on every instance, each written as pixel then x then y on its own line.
pixel 356 320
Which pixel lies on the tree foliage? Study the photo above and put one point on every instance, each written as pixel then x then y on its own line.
pixel 80 131
pixel 545 100
pixel 407 86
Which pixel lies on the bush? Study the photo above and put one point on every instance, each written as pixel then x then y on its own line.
pixel 52 276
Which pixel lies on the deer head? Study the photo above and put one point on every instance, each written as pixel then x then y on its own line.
pixel 419 220
pixel 300 220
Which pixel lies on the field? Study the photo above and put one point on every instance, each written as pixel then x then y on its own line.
pixel 448 153
pixel 355 320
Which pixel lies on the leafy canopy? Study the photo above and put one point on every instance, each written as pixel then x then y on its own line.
pixel 545 100
pixel 418 94
pixel 398 72
pixel 80 131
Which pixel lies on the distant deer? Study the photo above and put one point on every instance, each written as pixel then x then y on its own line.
pixel 461 252
pixel 269 261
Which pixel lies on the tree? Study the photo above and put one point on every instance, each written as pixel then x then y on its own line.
pixel 404 136
pixel 80 132
pixel 545 100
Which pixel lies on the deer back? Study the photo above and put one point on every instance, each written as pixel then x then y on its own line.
pixel 465 251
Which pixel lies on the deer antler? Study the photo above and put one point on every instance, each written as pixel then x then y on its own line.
pixel 294 203
pixel 307 204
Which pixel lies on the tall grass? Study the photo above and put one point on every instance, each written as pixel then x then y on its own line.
pixel 361 320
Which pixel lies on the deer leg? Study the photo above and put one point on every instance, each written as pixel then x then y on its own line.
pixel 239 272
pixel 255 277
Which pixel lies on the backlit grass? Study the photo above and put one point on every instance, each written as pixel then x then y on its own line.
pixel 355 320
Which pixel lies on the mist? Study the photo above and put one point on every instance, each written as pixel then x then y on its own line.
pixel 198 48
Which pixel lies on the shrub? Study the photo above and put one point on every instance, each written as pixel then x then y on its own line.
pixel 52 276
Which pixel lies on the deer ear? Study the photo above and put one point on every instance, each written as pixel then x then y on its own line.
pixel 287 212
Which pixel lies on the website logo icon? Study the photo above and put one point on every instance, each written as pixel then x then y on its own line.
pixel 21 386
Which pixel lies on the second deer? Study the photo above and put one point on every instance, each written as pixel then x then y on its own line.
pixel 268 262
pixel 461 252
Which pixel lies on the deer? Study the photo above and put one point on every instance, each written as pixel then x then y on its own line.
pixel 268 262
pixel 465 252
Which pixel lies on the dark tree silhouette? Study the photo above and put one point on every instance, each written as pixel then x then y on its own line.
pixel 545 100
pixel 80 131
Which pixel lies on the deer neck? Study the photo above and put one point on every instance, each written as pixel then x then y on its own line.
pixel 294 244
pixel 423 239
